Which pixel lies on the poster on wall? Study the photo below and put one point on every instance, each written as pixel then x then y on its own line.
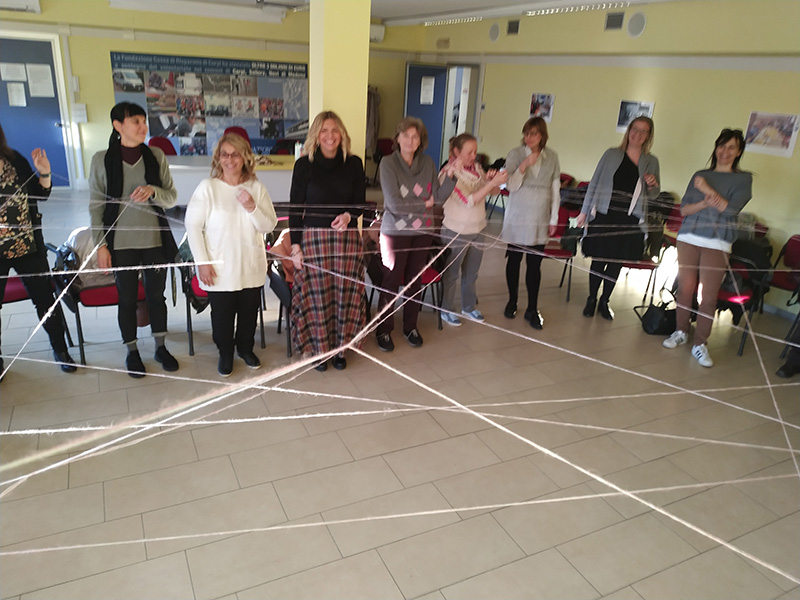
pixel 629 110
pixel 190 101
pixel 769 133
pixel 542 106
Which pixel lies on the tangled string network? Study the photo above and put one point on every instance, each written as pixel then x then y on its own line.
pixel 519 419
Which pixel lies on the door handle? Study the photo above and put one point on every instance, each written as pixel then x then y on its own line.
pixel 58 124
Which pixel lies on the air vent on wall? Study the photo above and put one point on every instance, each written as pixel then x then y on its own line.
pixel 513 27
pixel 614 20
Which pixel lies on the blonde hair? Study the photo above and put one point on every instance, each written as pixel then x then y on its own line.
pixel 648 143
pixel 243 148
pixel 312 139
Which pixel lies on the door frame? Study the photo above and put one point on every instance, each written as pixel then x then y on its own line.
pixel 69 132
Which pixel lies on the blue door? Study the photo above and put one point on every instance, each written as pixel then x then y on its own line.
pixel 38 123
pixel 426 88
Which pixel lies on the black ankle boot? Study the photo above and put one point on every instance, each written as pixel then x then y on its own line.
pixel 511 310
pixel 605 310
pixel 591 305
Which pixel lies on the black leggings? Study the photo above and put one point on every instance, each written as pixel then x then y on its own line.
pixel 605 272
pixel 533 273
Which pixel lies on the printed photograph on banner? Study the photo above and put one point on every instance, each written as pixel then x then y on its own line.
pixel 245 85
pixel 217 104
pixel 295 130
pixel 271 129
pixel 128 80
pixel 542 106
pixel 215 127
pixel 629 110
pixel 161 96
pixel 244 106
pixel 193 146
pixel 270 108
pixel 216 83
pixel 188 84
pixel 769 133
pixel 295 98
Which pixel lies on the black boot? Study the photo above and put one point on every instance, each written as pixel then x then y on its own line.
pixel 591 305
pixel 605 310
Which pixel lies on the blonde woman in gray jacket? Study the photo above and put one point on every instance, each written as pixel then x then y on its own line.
pixel 625 180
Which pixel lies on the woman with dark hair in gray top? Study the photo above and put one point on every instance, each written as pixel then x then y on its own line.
pixel 710 208
pixel 410 185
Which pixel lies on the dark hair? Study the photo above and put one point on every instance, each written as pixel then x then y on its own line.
pixel 725 136
pixel 120 112
pixel 406 124
pixel 4 149
pixel 459 141
pixel 540 125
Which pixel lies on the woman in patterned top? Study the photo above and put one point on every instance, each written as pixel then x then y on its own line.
pixel 410 188
pixel 22 244
pixel 464 219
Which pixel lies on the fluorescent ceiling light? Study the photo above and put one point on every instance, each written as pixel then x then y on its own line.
pixel 269 14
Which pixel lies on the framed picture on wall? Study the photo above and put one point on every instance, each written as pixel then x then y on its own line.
pixel 629 110
pixel 542 106
pixel 768 133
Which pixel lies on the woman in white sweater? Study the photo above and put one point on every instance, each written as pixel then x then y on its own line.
pixel 226 220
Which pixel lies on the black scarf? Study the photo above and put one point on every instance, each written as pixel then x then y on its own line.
pixel 114 182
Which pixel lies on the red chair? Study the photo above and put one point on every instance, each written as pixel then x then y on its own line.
pixel 751 270
pixel 786 276
pixel 162 144
pixel 557 250
pixel 567 180
pixel 672 225
pixel 239 131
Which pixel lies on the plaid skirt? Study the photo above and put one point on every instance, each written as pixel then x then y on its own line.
pixel 328 301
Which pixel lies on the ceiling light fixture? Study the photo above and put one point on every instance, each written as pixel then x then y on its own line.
pixel 456 21
pixel 577 8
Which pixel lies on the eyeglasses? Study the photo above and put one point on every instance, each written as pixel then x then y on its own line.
pixel 640 130
pixel 232 155
pixel 736 132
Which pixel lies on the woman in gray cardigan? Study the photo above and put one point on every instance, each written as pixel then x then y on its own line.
pixel 616 200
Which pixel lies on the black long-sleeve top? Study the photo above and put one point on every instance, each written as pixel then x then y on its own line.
pixel 323 189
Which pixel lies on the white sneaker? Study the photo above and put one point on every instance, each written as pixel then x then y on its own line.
pixel 701 354
pixel 451 319
pixel 677 338
pixel 473 315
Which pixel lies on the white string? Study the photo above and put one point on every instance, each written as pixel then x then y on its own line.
pixel 404 515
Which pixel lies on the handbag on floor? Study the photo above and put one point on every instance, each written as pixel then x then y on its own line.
pixel 657 319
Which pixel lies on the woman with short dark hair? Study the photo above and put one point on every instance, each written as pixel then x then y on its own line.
pixel 131 186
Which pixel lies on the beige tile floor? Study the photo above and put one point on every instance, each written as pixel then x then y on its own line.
pixel 296 506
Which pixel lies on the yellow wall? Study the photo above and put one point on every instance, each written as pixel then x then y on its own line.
pixel 673 28
pixel 388 74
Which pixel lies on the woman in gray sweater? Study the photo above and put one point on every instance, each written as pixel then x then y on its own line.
pixel 410 185
pixel 710 208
